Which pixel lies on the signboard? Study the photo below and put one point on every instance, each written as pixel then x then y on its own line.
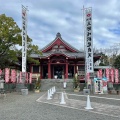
pixel 89 41
pixel 24 38
pixel 98 86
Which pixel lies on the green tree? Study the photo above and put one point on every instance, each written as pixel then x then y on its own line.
pixel 10 37
pixel 117 62
pixel 104 60
pixel 31 49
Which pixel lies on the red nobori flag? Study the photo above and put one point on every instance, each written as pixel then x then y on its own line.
pixel 0 72
pixel 13 76
pixel 88 76
pixel 27 77
pixel 100 73
pixel 30 77
pixel 7 75
pixel 20 77
pixel 108 74
pixel 112 74
pixel 116 76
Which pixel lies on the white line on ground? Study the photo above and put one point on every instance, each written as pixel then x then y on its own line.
pixel 95 97
pixel 41 97
pixel 64 93
pixel 81 109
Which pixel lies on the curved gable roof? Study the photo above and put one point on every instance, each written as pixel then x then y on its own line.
pixel 58 38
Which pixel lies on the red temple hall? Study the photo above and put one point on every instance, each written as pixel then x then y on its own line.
pixel 60 60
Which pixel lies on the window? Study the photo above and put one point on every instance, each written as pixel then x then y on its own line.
pixel 36 69
pixel 81 68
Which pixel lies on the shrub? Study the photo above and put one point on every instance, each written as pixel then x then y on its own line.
pixel 37 84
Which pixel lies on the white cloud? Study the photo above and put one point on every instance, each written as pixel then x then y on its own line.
pixel 47 17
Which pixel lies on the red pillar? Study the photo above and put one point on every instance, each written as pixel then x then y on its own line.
pixel 49 70
pixel 30 68
pixel 66 70
pixel 75 68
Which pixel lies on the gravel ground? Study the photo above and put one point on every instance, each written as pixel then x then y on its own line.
pixel 25 107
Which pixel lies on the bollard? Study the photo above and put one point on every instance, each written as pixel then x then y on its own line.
pixel 62 99
pixel 48 96
pixel 88 106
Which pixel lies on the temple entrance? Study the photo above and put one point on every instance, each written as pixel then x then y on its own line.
pixel 58 71
pixel 70 72
pixel 45 72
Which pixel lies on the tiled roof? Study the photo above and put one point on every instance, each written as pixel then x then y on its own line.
pixel 33 55
pixel 59 36
pixel 67 54
pixel 77 54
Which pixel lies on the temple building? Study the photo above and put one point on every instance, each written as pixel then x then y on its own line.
pixel 60 60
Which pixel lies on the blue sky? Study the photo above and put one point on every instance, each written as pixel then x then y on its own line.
pixel 47 17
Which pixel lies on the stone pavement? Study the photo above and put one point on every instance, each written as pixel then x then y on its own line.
pixel 35 106
pixel 99 108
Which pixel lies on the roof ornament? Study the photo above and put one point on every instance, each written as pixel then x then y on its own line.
pixel 58 35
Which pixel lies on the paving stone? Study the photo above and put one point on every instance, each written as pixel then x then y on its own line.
pixel 25 107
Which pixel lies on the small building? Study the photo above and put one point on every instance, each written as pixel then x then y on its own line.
pixel 60 60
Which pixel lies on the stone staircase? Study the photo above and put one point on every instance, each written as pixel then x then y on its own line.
pixel 58 83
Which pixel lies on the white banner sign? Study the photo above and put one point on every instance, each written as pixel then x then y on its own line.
pixel 24 38
pixel 89 41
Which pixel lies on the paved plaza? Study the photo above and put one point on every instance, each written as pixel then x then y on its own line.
pixel 35 106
